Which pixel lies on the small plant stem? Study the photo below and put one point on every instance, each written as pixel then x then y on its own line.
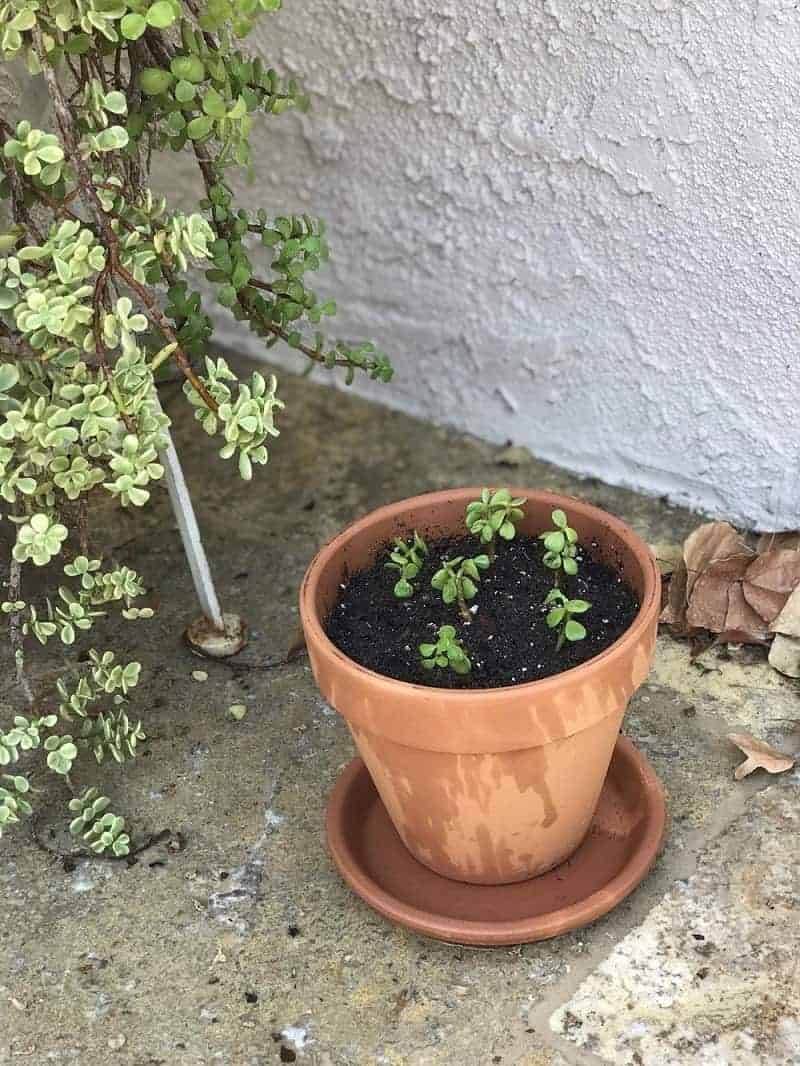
pixel 67 127
pixel 100 298
pixel 162 323
pixel 157 360
pixel 490 550
pixel 209 178
pixel 561 638
pixel 92 201
pixel 15 629
pixel 279 331
pixel 83 525
pixel 463 610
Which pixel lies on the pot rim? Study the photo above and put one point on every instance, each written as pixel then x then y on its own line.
pixel 650 600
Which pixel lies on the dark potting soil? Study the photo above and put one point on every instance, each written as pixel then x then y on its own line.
pixel 507 641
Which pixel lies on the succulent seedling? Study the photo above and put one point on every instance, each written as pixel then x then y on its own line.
pixel 407 559
pixel 457 580
pixel 447 651
pixel 561 545
pixel 560 616
pixel 494 514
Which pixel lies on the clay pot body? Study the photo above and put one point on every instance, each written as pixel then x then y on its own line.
pixel 488 786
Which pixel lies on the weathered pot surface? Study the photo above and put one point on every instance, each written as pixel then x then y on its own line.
pixel 619 849
pixel 488 786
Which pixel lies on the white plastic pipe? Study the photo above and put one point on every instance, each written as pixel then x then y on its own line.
pixel 190 534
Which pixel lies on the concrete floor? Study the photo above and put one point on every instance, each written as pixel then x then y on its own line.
pixel 235 942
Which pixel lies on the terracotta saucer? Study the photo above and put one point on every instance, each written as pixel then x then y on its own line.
pixel 622 844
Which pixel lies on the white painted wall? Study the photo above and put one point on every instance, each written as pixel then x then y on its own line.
pixel 574 224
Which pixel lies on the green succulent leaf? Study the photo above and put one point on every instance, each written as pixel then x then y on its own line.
pixel 9 376
pixel 214 104
pixel 154 80
pixel 578 606
pixel 470 569
pixel 133 26
pixel 448 651
pixel 184 92
pixel 403 589
pixel 574 630
pixel 97 300
pixel 406 558
pixel 200 127
pixel 560 545
pixel 161 14
pixel 495 513
pixel 560 616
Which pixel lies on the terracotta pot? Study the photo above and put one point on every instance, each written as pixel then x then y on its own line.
pixel 488 786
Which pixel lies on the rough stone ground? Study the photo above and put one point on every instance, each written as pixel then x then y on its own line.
pixel 245 948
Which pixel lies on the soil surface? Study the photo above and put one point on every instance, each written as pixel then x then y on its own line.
pixel 508 641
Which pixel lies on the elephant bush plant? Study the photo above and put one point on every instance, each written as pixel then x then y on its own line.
pixel 98 291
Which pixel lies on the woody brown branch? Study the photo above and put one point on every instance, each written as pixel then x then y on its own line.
pixel 90 197
pixel 160 320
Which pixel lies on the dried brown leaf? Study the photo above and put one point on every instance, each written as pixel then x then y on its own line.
pixel 742 624
pixel 770 579
pixel 709 543
pixel 777 570
pixel 760 755
pixel 710 595
pixel 765 603
pixel 722 586
pixel 767 541
pixel 669 555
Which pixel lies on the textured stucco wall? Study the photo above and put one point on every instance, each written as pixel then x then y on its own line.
pixel 572 224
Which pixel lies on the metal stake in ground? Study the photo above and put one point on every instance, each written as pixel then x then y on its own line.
pixel 215 634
